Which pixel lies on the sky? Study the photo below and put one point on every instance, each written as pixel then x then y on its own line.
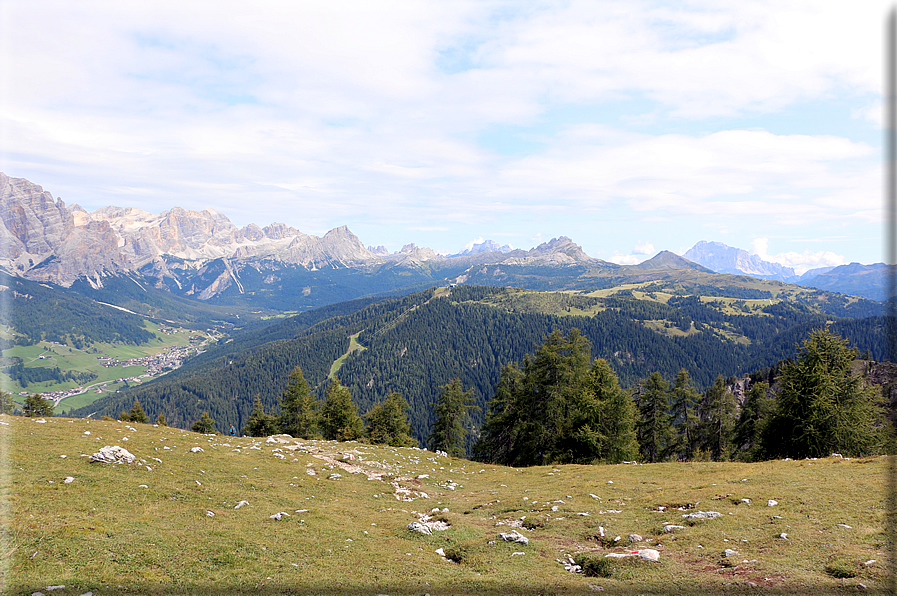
pixel 630 127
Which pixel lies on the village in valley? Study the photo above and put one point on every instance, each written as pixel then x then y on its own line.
pixel 112 366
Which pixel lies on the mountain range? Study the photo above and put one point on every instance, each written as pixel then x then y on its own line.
pixel 203 255
pixel 867 281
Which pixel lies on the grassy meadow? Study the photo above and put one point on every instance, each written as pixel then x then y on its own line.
pixel 169 523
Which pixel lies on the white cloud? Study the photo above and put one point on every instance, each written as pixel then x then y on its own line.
pixel 329 113
pixel 471 244
pixel 800 262
pixel 624 259
pixel 643 249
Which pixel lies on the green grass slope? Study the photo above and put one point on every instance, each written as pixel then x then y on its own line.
pixel 169 522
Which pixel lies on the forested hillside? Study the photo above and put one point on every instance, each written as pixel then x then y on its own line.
pixel 420 342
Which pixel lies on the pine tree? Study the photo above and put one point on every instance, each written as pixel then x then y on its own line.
pixel 204 425
pixel 684 399
pixel 298 408
pixel 606 418
pixel 260 424
pixel 755 412
pixel 136 414
pixel 339 418
pixel 388 422
pixel 654 430
pixel 7 405
pixel 449 431
pixel 160 420
pixel 36 405
pixel 822 408
pixel 499 440
pixel 717 424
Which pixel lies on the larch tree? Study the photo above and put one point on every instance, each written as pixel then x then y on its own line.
pixel 821 407
pixel 717 413
pixel 388 422
pixel 298 408
pixel 339 420
pixel 205 424
pixel 683 402
pixel 654 430
pixel 260 424
pixel 449 431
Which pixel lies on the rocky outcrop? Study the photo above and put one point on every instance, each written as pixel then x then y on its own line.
pixel 726 259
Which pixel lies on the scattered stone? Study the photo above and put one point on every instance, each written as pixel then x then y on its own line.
pixel 869 562
pixel 311 472
pixel 514 536
pixel 423 476
pixel 197 450
pixel 702 515
pixel 69 480
pixel 51 588
pixel 610 481
pixel 279 515
pixel 670 528
pixel 517 553
pixel 771 503
pixel 746 501
pixel 729 552
pixel 646 554
pixel 419 527
pixel 635 538
pixel 440 552
pixel 210 513
pixel 583 514
pixel 63 456
pixel 838 455
pixel 113 455
pixel 554 507
pixel 41 421
pixel 845 526
pixel 142 486
pixel 334 476
pixel 240 504
pixel 280 455
pixel 861 586
pixel 783 536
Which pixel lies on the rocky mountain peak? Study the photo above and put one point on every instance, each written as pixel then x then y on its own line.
pixel 721 258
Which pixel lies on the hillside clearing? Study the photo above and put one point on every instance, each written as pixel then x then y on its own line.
pixel 170 522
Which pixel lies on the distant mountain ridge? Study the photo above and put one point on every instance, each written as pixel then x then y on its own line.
pixel 737 261
pixel 203 255
pixel 866 281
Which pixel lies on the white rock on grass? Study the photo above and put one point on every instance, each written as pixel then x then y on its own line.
pixel 514 536
pixel 670 528
pixel 197 450
pixel 210 513
pixel 771 503
pixel 702 515
pixel 419 527
pixel 635 538
pixel 68 480
pixel 729 552
pixel 646 554
pixel 240 504
pixel 279 515
pixel 113 455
